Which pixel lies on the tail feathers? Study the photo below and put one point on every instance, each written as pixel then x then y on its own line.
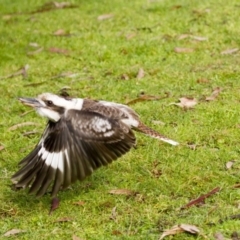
pixel 152 133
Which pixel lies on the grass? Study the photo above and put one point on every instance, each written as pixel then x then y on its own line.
pixel 141 34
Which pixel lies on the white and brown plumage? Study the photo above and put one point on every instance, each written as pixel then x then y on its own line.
pixel 81 136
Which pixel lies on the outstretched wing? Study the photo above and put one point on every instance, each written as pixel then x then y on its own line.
pixel 71 149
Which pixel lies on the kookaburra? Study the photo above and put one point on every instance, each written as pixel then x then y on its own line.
pixel 81 136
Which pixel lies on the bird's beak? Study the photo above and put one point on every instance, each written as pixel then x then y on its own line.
pixel 32 102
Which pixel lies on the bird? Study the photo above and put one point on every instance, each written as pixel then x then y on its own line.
pixel 81 135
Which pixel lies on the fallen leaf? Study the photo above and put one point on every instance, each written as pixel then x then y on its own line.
pixel 49 6
pixel 130 35
pixel 203 80
pixel 13 232
pixel 126 192
pixel 33 44
pixel 80 203
pixel 198 38
pixel 22 71
pixel 230 51
pixel 74 237
pixel 183 36
pixel 200 200
pixel 1 148
pixel 6 17
pixel 124 76
pixel 113 214
pixel 192 146
pixel 230 164
pixel 140 74
pixel 237 185
pixel 176 7
pixel 116 232
pixel 214 94
pixel 179 229
pixel 186 102
pixel 158 122
pixel 30 133
pixel 145 97
pixel 36 51
pixel 235 217
pixel 105 16
pixel 34 84
pixel 235 236
pixel 67 75
pixel 58 50
pixel 183 50
pixel 61 32
pixel 14 127
pixel 64 219
pixel 156 173
pixel 54 205
pixel 218 236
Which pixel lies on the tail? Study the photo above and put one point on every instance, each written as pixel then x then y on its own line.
pixel 152 133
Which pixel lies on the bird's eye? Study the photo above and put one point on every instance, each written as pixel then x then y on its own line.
pixel 49 103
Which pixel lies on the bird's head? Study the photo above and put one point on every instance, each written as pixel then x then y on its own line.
pixel 51 106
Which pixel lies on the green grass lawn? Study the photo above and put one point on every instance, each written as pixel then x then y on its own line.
pixel 102 59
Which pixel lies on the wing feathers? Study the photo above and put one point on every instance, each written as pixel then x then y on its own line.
pixel 70 151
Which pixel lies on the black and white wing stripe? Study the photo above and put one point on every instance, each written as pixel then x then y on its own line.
pixel 71 149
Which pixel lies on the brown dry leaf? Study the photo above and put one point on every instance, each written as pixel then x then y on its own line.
pixel 1 148
pixel 6 17
pixel 58 50
pixel 140 74
pixel 126 192
pixel 105 16
pixel 198 38
pixel 34 85
pixel 156 173
pixel 200 200
pixel 13 232
pixel 183 50
pixel 116 232
pixel 66 75
pixel 186 102
pixel 22 71
pixel 183 36
pixel 49 6
pixel 114 214
pixel 192 146
pixel 176 7
pixel 54 205
pixel 203 80
pixel 124 77
pixel 179 229
pixel 145 97
pixel 237 185
pixel 230 164
pixel 79 203
pixel 61 32
pixel 218 236
pixel 130 35
pixel 235 236
pixel 214 94
pixel 64 219
pixel 14 127
pixel 74 237
pixel 230 51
